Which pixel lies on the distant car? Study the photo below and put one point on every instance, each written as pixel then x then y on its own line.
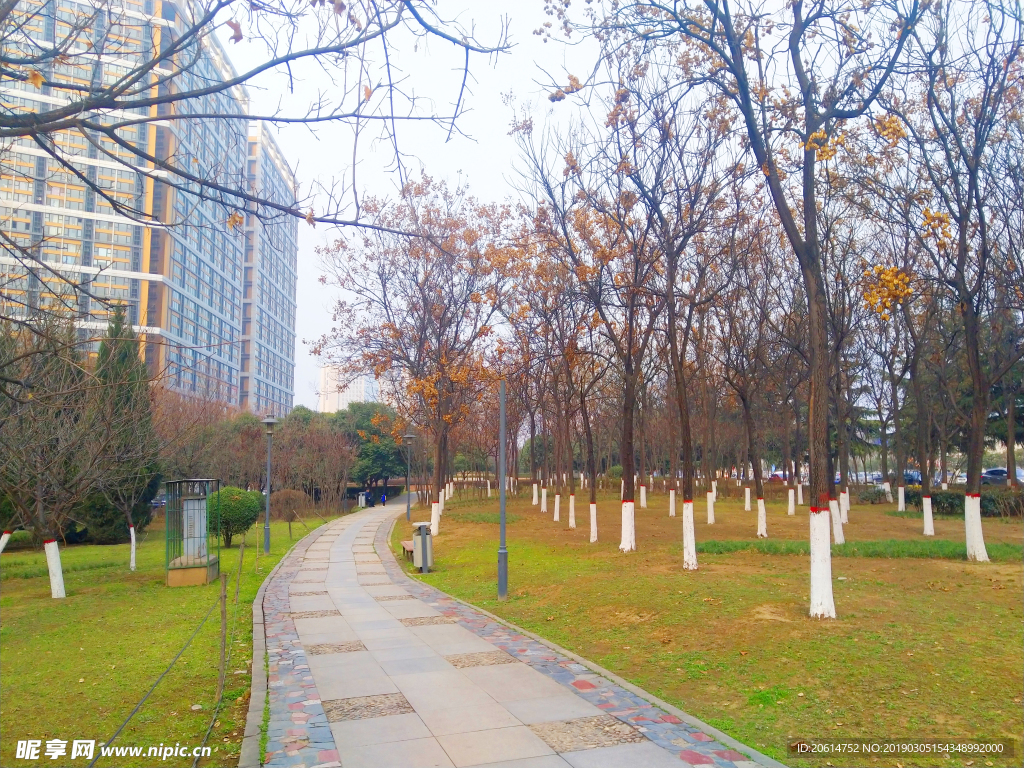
pixel 998 476
pixel 158 501
pixel 911 477
pixel 876 477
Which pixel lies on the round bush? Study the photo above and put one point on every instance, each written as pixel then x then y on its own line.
pixel 239 510
pixel 615 472
pixel 286 504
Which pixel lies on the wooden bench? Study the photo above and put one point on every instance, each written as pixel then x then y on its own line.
pixel 407 549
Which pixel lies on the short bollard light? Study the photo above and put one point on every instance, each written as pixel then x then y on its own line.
pixel 422 547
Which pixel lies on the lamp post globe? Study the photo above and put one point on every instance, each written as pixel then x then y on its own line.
pixel 269 423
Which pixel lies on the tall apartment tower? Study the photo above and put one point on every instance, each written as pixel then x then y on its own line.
pixel 208 324
pixel 269 284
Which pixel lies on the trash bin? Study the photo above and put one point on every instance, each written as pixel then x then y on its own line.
pixel 420 537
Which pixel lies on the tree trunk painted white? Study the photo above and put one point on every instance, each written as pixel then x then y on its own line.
pixel 972 522
pixel 792 502
pixel 901 499
pixel 837 522
pixel 746 499
pixel 888 492
pixel 435 518
pixel 711 508
pixel 926 510
pixel 440 502
pixel 572 510
pixel 822 604
pixel 945 486
pixel 558 504
pixel 689 540
pixel 800 494
pixel 762 520
pixel 544 499
pixel 4 539
pixel 488 489
pixel 714 490
pixel 628 542
pixel 593 523
pixel 53 565
pixel 622 490
pixel 844 506
pixel 535 502
pixel 131 561
pixel 672 503
pixel 643 497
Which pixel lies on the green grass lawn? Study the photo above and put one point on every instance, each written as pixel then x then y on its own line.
pixel 927 645
pixel 75 668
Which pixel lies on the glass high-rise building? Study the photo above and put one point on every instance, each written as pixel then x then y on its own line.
pixel 213 304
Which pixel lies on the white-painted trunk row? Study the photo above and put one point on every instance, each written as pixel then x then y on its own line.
pixel 762 520
pixel 792 502
pixel 711 508
pixel 837 522
pixel 689 540
pixel 926 511
pixel 558 504
pixel 672 503
pixel 972 523
pixel 544 499
pixel 593 523
pixel 572 510
pixel 643 497
pixel 628 542
pixel 435 518
pixel 440 503
pixel 844 506
pixel 746 499
pixel 822 603
pixel 53 566
pixel 535 494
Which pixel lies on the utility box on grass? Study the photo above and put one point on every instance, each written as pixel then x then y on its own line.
pixel 193 532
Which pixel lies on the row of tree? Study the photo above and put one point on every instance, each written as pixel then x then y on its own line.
pixel 782 220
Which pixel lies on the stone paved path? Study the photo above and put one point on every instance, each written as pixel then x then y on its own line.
pixel 371 669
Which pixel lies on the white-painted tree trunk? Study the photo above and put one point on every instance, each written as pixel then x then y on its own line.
pixel 822 604
pixel 628 542
pixel 53 566
pixel 837 522
pixel 593 523
pixel 672 503
pixel 131 560
pixel 535 502
pixel 762 520
pixel 926 510
pixel 689 540
pixel 711 508
pixel 544 499
pixel 572 510
pixel 746 499
pixel 4 539
pixel 440 502
pixel 792 502
pixel 888 492
pixel 844 506
pixel 945 486
pixel 622 490
pixel 488 489
pixel 714 490
pixel 558 505
pixel 901 499
pixel 643 497
pixel 435 518
pixel 972 522
pixel 800 494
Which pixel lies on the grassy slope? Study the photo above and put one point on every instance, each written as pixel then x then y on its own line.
pixel 75 668
pixel 923 648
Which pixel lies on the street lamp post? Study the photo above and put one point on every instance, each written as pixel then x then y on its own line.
pixel 502 551
pixel 407 440
pixel 269 422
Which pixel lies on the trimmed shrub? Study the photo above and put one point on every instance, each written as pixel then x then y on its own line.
pixel 1001 502
pixel 615 472
pixel 239 511
pixel 871 496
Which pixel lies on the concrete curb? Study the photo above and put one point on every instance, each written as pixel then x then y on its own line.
pixel 250 754
pixel 724 738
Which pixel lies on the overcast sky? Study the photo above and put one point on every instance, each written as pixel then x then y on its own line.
pixel 485 160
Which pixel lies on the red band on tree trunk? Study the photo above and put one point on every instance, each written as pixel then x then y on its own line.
pixel 8 532
pixel 687 501
pixel 816 510
pixel 974 495
pixel 49 541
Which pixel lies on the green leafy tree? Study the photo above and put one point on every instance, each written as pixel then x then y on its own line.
pixel 238 511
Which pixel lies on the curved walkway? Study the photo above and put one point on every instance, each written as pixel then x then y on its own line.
pixel 371 669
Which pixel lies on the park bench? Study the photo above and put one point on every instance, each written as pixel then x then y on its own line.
pixel 407 549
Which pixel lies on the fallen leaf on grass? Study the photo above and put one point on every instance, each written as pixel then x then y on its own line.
pixel 744 653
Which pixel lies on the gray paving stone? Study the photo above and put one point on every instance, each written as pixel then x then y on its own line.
pixel 494 745
pixel 547 761
pixel 459 719
pixel 510 682
pixel 647 755
pixel 379 730
pixel 414 753
pixel 542 710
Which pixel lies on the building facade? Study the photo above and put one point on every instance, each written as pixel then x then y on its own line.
pixel 336 397
pixel 212 302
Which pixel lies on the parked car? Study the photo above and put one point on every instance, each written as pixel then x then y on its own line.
pixel 998 476
pixel 911 477
pixel 876 477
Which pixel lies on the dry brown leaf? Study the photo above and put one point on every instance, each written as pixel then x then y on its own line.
pixel 236 28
